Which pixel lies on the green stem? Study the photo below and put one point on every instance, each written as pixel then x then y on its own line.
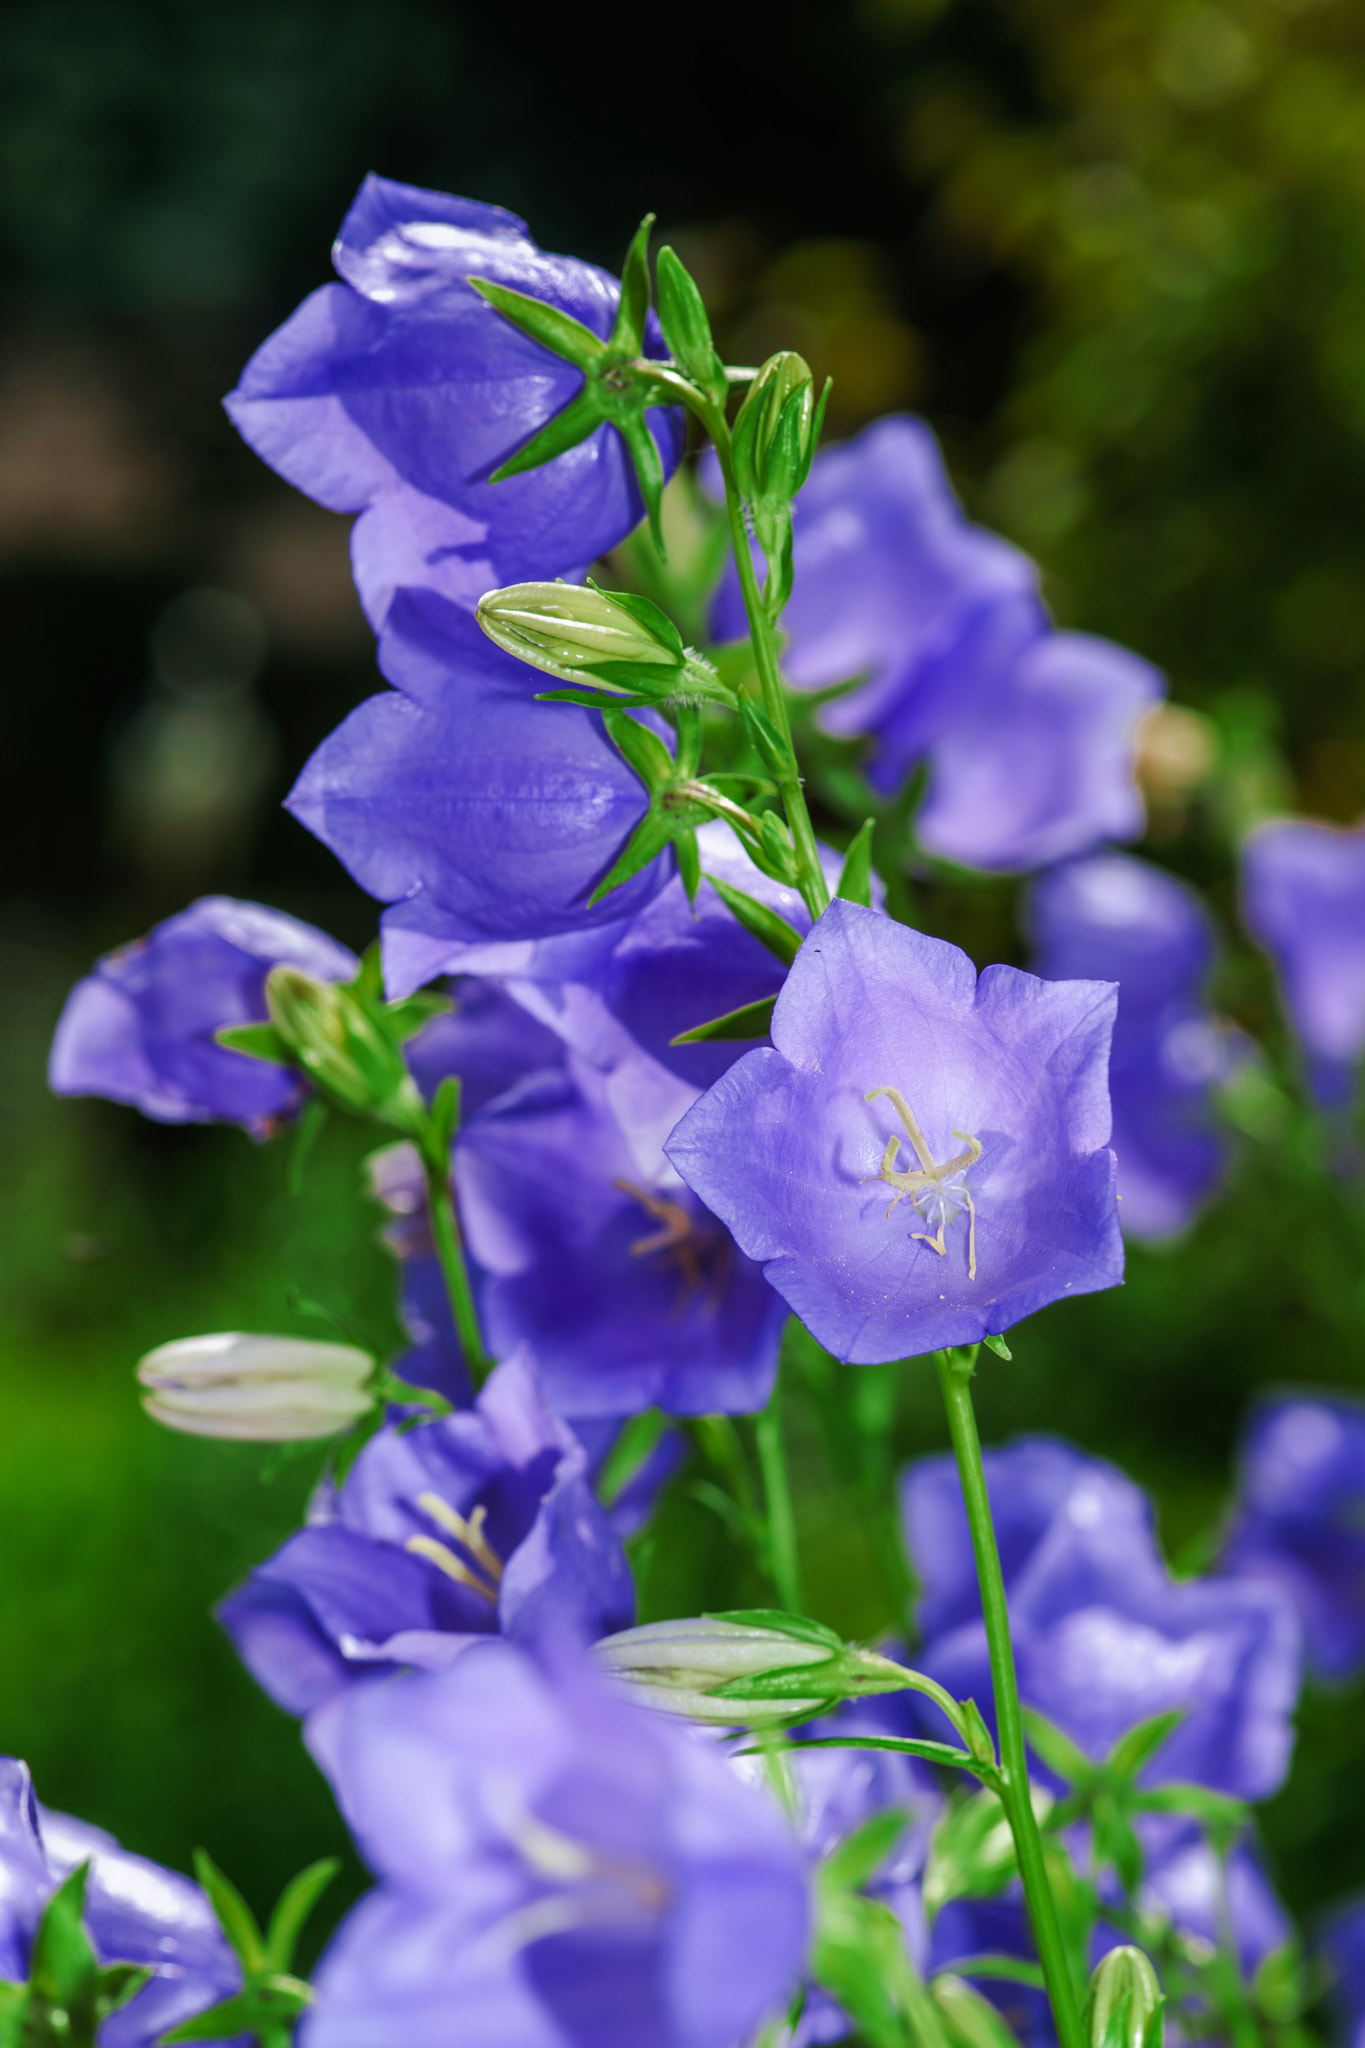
pixel 955 1374
pixel 445 1232
pixel 772 1463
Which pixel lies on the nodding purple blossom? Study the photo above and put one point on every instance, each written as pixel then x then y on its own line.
pixel 1300 1519
pixel 1303 897
pixel 979 1107
pixel 135 1912
pixel 140 1028
pixel 1112 918
pixel 1341 1947
pixel 399 391
pixel 630 1293
pixel 557 1867
pixel 478 1524
pixel 1028 733
pixel 476 812
pixel 1104 1637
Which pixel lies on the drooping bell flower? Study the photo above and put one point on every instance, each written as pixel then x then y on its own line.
pixel 141 1028
pixel 1300 1519
pixel 921 1157
pixel 478 1524
pixel 1112 918
pixel 476 812
pixel 629 1291
pixel 555 1866
pixel 1303 897
pixel 135 1912
pixel 398 393
pixel 1104 1637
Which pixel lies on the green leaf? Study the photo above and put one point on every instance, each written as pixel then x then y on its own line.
pixel 971 1855
pixel 763 735
pixel 645 751
pixel 1141 1744
pixel 688 856
pixel 969 2020
pixel 764 924
pixel 1057 1749
pixel 859 1955
pixel 653 833
pixel 1013 1969
pixel 649 471
pixel 855 878
pixel 751 1020
pixel 296 1902
pixel 62 1964
pixel 777 845
pixel 628 331
pixel 978 1734
pixel 596 698
pixel 257 1041
pixel 582 416
pixel 408 1017
pixel 798 1626
pixel 646 613
pixel 235 1917
pixel 445 1117
pixel 633 1446
pixel 559 332
pixel 120 1982
pixel 1278 1986
pixel 1214 1809
pixel 790 1682
pixel 307 1131
pixel 1116 1843
pixel 267 2007
pixel 928 1752
pixel 687 330
pixel 860 1855
pixel 1000 1348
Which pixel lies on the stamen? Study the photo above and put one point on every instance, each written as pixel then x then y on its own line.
pixel 683 1243
pixel 930 1179
pixel 469 1533
pixel 454 1567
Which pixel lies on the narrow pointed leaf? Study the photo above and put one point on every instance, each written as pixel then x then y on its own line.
pixel 764 735
pixel 1013 1969
pixel 258 1041
pixel 860 1855
pixel 407 1018
pixel 928 1752
pixel 764 924
pixel 751 1020
pixel 647 841
pixel 596 699
pixel 235 1917
pixel 1057 1749
pixel 119 1982
pixel 688 857
pixel 644 750
pixel 855 877
pixel 1141 1744
pixel 1214 1809
pixel 798 1626
pixel 559 332
pixel 62 1966
pixel 647 614
pixel 580 417
pixel 628 331
pixel 633 1446
pixel 445 1114
pixel 272 2004
pixel 1000 1348
pixel 687 330
pixel 296 1902
pixel 649 473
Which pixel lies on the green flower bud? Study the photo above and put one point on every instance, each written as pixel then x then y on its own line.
pixel 745 1670
pixel 256 1389
pixel 345 1047
pixel 1125 2002
pixel 777 430
pixel 568 628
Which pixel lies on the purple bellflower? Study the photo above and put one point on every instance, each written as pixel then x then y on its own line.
pixel 1342 1946
pixel 135 1912
pixel 1027 732
pixel 474 811
pixel 629 1291
pixel 140 1028
pixel 1303 897
pixel 488 1041
pixel 979 1107
pixel 398 392
pixel 1112 918
pixel 1300 1520
pixel 480 1523
pixel 557 1867
pixel 1104 1637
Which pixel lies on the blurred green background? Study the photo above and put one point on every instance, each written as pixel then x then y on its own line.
pixel 1113 249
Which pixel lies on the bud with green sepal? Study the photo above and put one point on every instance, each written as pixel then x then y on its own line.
pixel 774 439
pixel 69 1993
pixel 612 641
pixel 1125 2003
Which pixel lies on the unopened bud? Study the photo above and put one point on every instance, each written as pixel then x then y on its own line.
pixel 256 1389
pixel 776 430
pixel 725 1672
pixel 1125 2002
pixel 336 1041
pixel 609 639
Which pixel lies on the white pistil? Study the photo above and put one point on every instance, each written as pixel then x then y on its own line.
pixel 928 1185
pixel 468 1533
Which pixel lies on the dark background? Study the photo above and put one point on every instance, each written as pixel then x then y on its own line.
pixel 1113 249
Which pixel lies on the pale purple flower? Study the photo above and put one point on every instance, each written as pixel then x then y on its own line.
pixel 399 391
pixel 1342 1946
pixel 1300 1519
pixel 1112 918
pixel 140 1028
pixel 1103 1636
pixel 476 812
pixel 920 1158
pixel 483 1522
pixel 557 1868
pixel 135 1912
pixel 1303 897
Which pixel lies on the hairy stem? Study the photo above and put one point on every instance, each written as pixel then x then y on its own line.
pixel 445 1232
pixel 955 1374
